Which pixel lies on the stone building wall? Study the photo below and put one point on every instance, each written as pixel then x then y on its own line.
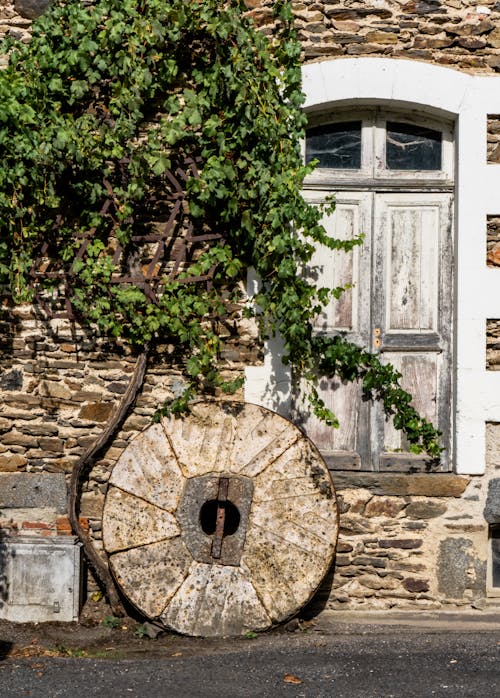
pixel 406 540
pixel 463 34
pixel 403 539
pixel 457 33
pixel 58 388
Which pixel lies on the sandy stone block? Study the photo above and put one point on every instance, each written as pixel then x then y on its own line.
pixel 55 389
pixel 51 444
pixel 202 441
pixel 396 484
pixel 494 38
pixel 425 510
pixel 472 43
pixel 136 423
pixel 148 469
pixel 216 601
pixel 92 504
pixel 44 429
pixel 96 411
pixel 384 506
pixel 372 581
pixel 16 438
pixel 438 485
pixel 129 522
pixel 305 522
pixel 379 37
pixel 259 440
pixel 12 462
pixel 356 499
pixel 152 573
pixel 356 526
pixel 284 575
pixel 346 25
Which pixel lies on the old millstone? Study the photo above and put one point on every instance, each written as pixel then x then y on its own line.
pixel 221 522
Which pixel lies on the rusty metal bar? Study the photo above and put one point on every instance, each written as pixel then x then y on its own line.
pixel 173 250
pixel 221 517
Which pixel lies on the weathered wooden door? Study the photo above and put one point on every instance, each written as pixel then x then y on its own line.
pixel 400 305
pixel 401 301
pixel 349 445
pixel 412 312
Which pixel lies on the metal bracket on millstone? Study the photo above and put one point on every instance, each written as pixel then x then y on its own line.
pixel 224 490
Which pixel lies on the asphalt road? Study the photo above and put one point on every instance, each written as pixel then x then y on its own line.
pixel 356 662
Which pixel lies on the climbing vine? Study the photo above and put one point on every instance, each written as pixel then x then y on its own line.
pixel 104 112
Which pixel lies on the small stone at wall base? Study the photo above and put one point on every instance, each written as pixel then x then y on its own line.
pixel 31 9
pixel 492 508
pixel 425 510
pixel 479 604
pixel 456 561
pixel 416 586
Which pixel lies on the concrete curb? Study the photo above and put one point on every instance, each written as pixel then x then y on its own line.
pixel 463 621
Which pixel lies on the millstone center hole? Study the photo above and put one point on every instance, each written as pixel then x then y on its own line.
pixel 208 517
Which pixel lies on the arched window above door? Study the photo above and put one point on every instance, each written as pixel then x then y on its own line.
pixel 372 143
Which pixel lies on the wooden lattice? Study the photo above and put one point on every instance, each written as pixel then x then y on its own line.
pixel 164 246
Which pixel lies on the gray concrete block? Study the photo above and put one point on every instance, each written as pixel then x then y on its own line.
pixel 492 508
pixel 33 491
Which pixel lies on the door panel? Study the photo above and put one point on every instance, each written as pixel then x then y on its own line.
pixel 348 446
pixel 412 265
pixel 332 269
pixel 401 306
pixel 412 312
pixel 420 378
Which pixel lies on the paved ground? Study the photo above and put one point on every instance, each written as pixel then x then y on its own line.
pixel 339 654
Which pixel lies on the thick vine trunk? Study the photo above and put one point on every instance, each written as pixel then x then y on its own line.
pixel 82 467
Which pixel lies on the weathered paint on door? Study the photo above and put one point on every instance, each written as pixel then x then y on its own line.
pixel 400 305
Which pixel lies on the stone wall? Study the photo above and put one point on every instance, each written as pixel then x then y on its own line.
pixel 493 344
pixel 406 541
pixel 458 33
pixel 58 388
pixel 410 542
pixel 415 541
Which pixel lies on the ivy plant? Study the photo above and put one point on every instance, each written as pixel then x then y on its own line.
pixel 106 103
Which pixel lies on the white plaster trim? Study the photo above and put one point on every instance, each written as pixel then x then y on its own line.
pixel 468 99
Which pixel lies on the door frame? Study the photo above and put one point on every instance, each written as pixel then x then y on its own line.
pixel 373 180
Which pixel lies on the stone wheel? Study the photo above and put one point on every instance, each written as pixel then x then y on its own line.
pixel 220 522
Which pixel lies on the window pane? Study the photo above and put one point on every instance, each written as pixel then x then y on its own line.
pixel 410 147
pixel 337 146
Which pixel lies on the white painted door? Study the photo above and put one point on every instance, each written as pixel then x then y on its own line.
pixel 392 177
pixel 411 318
pixel 348 445
pixel 400 305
